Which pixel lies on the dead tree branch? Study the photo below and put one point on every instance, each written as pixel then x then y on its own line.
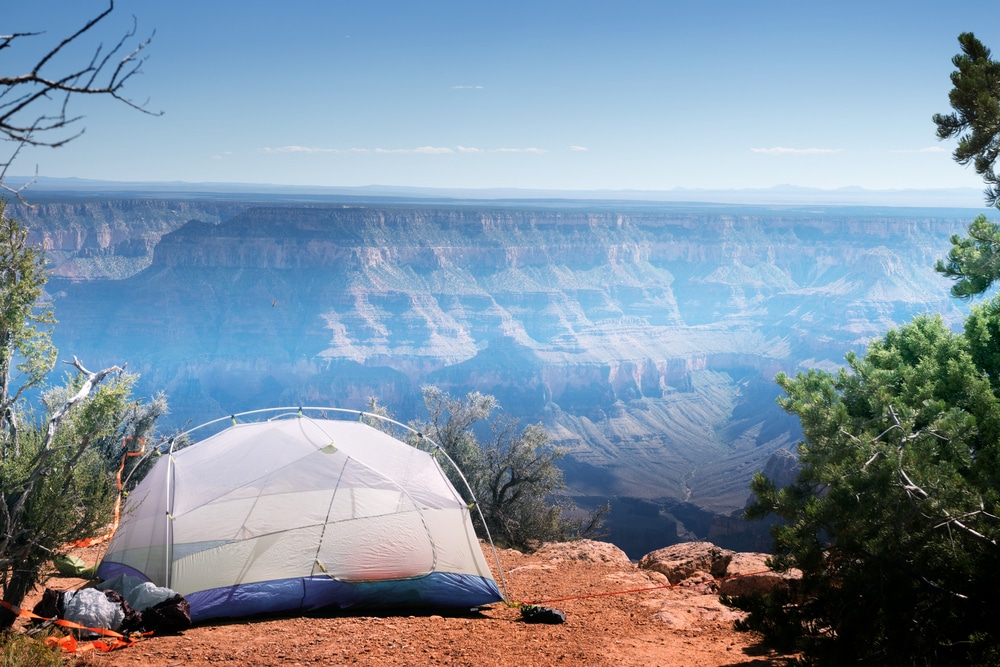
pixel 914 491
pixel 34 106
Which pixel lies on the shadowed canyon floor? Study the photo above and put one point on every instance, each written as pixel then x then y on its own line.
pixel 650 624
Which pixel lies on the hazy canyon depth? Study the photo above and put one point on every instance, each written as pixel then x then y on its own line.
pixel 644 337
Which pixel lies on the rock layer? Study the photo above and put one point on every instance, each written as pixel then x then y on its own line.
pixel 644 339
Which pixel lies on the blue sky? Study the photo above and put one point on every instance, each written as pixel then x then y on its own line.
pixel 544 95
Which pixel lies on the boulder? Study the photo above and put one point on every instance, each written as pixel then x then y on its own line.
pixel 682 561
pixel 584 550
pixel 748 573
pixel 743 563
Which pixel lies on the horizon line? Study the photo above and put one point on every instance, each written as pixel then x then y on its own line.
pixel 781 194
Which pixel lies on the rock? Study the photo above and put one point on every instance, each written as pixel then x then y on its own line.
pixel 753 583
pixel 657 577
pixel 748 573
pixel 743 563
pixel 696 611
pixel 584 550
pixel 685 560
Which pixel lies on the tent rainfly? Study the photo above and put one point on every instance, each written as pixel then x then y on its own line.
pixel 299 513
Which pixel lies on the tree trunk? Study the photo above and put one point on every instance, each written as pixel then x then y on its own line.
pixel 23 578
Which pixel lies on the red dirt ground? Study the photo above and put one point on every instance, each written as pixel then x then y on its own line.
pixel 658 625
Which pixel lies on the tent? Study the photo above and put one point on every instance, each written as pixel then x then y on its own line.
pixel 299 513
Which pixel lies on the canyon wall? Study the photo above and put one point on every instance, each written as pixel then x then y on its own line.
pixel 644 338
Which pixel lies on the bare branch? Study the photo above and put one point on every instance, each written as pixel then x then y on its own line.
pixel 961 526
pixel 93 379
pixel 871 460
pixel 94 21
pixel 3 176
pixel 34 106
pixel 913 489
pixel 941 588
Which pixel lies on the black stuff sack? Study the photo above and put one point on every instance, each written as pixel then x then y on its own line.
pixel 533 614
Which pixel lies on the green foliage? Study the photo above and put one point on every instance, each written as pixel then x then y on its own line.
pixel 518 480
pixel 18 650
pixel 894 517
pixel 976 120
pixel 71 500
pixel 60 487
pixel 512 472
pixel 777 616
pixel 982 331
pixel 57 471
pixel 973 261
pixel 25 319
pixel 451 424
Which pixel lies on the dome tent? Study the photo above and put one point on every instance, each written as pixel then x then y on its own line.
pixel 300 513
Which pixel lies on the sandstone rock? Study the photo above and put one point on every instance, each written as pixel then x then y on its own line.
pixel 101 239
pixel 685 560
pixel 746 563
pixel 657 578
pixel 584 550
pixel 748 573
pixel 695 611
pixel 753 583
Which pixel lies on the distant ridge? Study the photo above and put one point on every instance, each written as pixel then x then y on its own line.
pixel 779 195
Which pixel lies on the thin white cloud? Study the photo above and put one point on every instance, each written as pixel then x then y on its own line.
pixel 426 150
pixel 285 149
pixel 311 149
pixel 929 149
pixel 781 150
pixel 466 87
pixel 581 149
pixel 421 150
pixel 532 149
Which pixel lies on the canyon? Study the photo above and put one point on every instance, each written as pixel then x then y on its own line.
pixel 644 337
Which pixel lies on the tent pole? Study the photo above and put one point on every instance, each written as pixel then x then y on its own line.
pixel 168 545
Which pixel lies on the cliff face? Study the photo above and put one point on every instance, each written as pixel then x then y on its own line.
pixel 87 238
pixel 644 340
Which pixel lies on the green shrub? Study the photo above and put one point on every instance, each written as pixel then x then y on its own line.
pixel 19 650
pixel 511 471
pixel 893 520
